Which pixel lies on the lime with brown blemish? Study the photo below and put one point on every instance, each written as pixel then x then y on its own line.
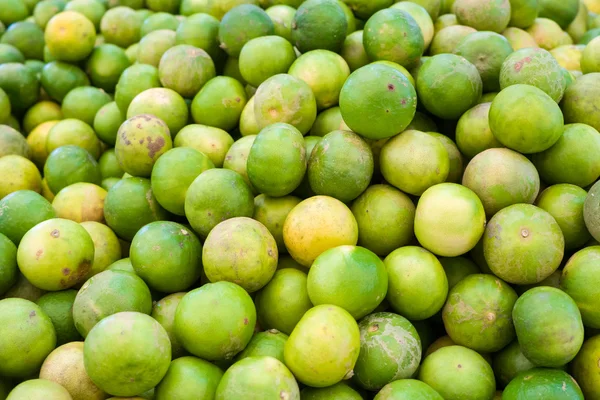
pixel 25 326
pixel 108 293
pixel 141 140
pixel 55 254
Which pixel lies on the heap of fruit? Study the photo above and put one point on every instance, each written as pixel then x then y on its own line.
pixel 288 199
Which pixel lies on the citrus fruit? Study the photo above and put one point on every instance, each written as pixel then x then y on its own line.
pixel 353 51
pixel 285 98
pixel 509 362
pixel 40 113
pixel 553 383
pixel 579 102
pixel 461 230
pixel 523 13
pixel 526 236
pixel 350 270
pixel 133 81
pixel 158 20
pixel 383 208
pixel 317 224
pixel 223 329
pixel 8 264
pixel 154 45
pixel 561 12
pixel 201 30
pixel 277 50
pixel 129 205
pixel 541 129
pixel 279 146
pixel 585 365
pixel 448 85
pixel 518 38
pixel 501 177
pixel 323 347
pixel 56 254
pixel 548 34
pixel 548 314
pixel 481 325
pixel 105 65
pixel 68 165
pixel 473 133
pixel 185 69
pixel 59 78
pixel 213 142
pixel 72 131
pixel 112 339
pixel 164 104
pixel 390 350
pixel 80 202
pixel 189 375
pixel 216 195
pixel 272 212
pixel 536 67
pixel 18 174
pixel 39 388
pixel 445 367
pixel 404 164
pixel 164 312
pixel 340 166
pixel 141 140
pixel 12 142
pixel 457 268
pixel 70 36
pixel 403 42
pixel 65 367
pixel 407 387
pixel 417 282
pixel 120 25
pixel 167 256
pixel 487 51
pixel 282 16
pixel 20 84
pixel 284 300
pixel 91 9
pixel 268 343
pixel 447 39
pixel 275 380
pixel 483 15
pixel 421 17
pixel 319 24
pixel 578 282
pixel 27 337
pixel 591 211
pixel 377 101
pixel 570 159
pixel 219 103
pixel 173 173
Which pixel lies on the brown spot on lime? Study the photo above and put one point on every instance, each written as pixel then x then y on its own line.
pixel 374 328
pixel 459 366
pixel 154 146
pixel 387 111
pixel 283 395
pixel 524 232
pixel 139 126
pixel 403 101
pixel 38 254
pixel 32 314
pixel 246 321
pixel 237 99
pixel 272 112
pixel 55 233
pixel 66 271
pixel 391 87
pixel 141 141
